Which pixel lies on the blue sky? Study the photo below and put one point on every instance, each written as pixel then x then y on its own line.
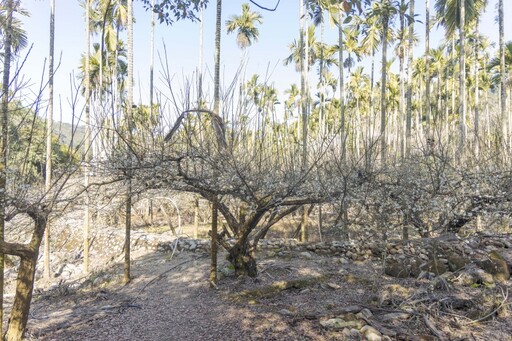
pixel 278 30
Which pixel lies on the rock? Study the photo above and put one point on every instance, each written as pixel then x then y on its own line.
pixel 228 271
pixel 355 334
pixel 395 316
pixel 435 266
pixel 192 246
pixel 334 286
pixel 475 276
pixel 343 271
pixel 364 314
pixel 414 265
pixel 108 307
pixel 496 266
pixel 396 269
pixel 339 324
pixel 378 250
pixel 371 334
pixel 354 309
pixel 306 255
pixel 346 334
pixel 285 312
pixel 456 262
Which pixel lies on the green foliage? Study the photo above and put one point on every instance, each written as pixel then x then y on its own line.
pixel 169 11
pixel 27 146
pixel 244 24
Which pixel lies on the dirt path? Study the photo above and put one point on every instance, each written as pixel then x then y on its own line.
pixel 163 302
pixel 295 296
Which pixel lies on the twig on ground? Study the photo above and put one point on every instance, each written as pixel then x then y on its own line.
pixel 430 325
pixel 503 303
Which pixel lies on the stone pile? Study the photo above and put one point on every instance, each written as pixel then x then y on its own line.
pixel 481 255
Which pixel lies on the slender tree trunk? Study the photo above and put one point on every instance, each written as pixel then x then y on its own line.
pixel 477 100
pixel 304 233
pixel 427 68
pixel 151 61
pixel 401 104
pixel 214 245
pixel 383 135
pixel 216 109
pixel 9 8
pixel 200 63
pixel 462 79
pixel 503 90
pixel 87 156
pixel 304 94
pixel 302 65
pixel 342 89
pixel 408 126
pixel 446 126
pixel 196 218
pixel 129 126
pixel 321 125
pixel 49 125
pixel 372 119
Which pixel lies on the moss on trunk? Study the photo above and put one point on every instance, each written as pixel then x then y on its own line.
pixel 243 261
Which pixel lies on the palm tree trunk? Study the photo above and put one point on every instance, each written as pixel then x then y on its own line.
pixel 503 90
pixel 129 124
pixel 342 89
pixel 462 79
pixel 446 126
pixel 402 79
pixel 383 137
pixel 477 100
pixel 371 118
pixel 408 126
pixel 87 156
pixel 427 67
pixel 200 62
pixel 9 8
pixel 151 61
pixel 49 124
pixel 321 126
pixel 216 109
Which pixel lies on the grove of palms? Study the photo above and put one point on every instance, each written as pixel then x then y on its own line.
pixel 391 139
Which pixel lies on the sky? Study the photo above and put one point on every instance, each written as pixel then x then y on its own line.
pixel 278 30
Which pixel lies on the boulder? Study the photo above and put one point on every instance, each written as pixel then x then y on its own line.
pixel 456 262
pixel 435 266
pixel 371 334
pixel 396 269
pixel 496 266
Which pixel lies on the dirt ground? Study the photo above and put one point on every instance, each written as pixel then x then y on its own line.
pixel 294 297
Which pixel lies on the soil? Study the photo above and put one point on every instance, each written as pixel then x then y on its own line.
pixel 298 295
pixel 170 298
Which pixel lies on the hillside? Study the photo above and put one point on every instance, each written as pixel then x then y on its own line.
pixel 66 131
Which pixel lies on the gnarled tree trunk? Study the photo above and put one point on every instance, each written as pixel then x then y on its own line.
pixel 243 259
pixel 25 281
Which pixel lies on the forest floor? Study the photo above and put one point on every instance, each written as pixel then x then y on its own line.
pixel 297 296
